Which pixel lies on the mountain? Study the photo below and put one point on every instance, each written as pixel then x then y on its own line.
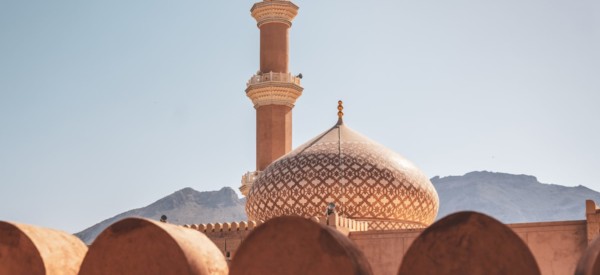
pixel 512 198
pixel 185 206
pixel 506 197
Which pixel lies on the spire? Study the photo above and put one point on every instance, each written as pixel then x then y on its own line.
pixel 340 113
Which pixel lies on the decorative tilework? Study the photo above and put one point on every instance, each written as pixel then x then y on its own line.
pixel 365 180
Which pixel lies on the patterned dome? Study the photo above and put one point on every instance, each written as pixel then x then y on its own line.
pixel 365 180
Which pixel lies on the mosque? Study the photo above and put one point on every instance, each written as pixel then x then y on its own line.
pixel 363 209
pixel 366 181
pixel 384 199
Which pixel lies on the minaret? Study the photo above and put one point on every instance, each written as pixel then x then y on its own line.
pixel 273 90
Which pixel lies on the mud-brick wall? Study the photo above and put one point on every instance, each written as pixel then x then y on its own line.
pixel 228 241
pixel 384 249
pixel 556 246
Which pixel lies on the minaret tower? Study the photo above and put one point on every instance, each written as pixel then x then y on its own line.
pixel 273 90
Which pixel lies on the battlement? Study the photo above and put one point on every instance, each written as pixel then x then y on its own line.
pixel 343 224
pixel 208 228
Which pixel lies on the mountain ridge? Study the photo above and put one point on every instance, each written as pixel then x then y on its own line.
pixel 182 207
pixel 512 198
pixel 507 197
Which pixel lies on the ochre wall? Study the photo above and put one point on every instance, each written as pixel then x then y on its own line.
pixel 556 246
pixel 384 249
pixel 228 241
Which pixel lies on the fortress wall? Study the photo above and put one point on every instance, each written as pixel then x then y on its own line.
pixel 228 241
pixel 385 249
pixel 556 246
pixel 226 236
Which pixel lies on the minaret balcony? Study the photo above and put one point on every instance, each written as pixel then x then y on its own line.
pixel 274 77
pixel 274 89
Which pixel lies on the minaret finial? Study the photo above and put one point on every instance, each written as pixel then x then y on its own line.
pixel 340 113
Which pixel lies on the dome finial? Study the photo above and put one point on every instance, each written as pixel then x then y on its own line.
pixel 340 113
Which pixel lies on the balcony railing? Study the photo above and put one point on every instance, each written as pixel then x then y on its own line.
pixel 274 77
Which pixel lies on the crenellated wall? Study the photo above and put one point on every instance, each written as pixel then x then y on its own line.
pixel 556 246
pixel 228 236
pixel 218 228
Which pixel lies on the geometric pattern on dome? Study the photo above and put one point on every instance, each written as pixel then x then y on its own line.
pixel 366 181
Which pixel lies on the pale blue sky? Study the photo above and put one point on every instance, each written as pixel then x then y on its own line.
pixel 110 105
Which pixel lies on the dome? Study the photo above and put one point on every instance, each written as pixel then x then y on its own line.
pixel 365 180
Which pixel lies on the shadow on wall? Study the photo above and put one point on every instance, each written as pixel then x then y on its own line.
pixel 462 243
